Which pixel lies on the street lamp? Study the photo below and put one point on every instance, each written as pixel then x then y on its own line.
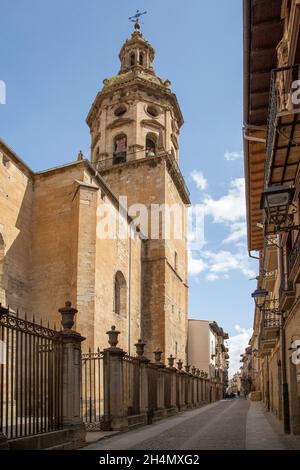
pixel 276 201
pixel 260 297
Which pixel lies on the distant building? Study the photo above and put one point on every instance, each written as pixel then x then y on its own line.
pixel 207 350
pixel 235 384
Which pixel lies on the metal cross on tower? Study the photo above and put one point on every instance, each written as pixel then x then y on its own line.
pixel 136 18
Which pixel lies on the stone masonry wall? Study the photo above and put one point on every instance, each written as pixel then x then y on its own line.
pixel 16 195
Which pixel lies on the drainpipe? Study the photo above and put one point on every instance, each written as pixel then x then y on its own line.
pixel 285 387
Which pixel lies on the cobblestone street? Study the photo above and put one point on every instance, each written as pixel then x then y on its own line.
pixel 228 424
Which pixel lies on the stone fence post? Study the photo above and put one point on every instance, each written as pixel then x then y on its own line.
pixel 160 382
pixel 194 387
pixel 172 370
pixel 144 385
pixel 71 386
pixel 205 397
pixel 114 413
pixel 199 398
pixel 181 386
pixel 188 387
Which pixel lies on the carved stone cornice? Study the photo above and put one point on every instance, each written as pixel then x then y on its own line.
pixel 119 122
pixel 152 123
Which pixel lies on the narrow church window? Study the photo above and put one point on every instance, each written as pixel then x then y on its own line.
pixel 141 58
pixel 120 294
pixel 150 146
pixel 132 59
pixel 176 348
pixel 120 149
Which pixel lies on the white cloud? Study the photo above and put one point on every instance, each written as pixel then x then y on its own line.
pixel 212 277
pixel 230 207
pixel 238 231
pixel 230 211
pixel 237 345
pixel 225 261
pixel 219 264
pixel 230 156
pixel 199 179
pixel 196 265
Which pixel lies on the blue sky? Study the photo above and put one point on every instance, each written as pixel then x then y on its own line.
pixel 53 58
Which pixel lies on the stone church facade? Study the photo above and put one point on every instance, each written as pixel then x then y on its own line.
pixel 50 248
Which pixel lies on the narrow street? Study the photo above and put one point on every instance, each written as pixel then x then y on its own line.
pixel 236 424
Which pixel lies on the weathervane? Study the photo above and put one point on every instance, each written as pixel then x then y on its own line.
pixel 136 18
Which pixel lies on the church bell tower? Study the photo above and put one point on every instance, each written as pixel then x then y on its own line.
pixel 134 124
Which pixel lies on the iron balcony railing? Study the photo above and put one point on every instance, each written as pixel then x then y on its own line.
pixel 281 93
pixel 294 254
pixel 271 320
pixel 175 168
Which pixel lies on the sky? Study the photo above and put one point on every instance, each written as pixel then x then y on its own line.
pixel 54 56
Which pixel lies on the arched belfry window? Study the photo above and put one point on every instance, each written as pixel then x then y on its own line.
pixel 120 149
pixel 151 144
pixel 141 58
pixel 120 294
pixel 132 59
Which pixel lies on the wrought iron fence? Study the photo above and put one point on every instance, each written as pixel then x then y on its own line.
pixel 92 402
pixel 281 92
pixel 30 377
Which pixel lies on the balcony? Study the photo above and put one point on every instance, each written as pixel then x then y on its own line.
pixel 294 261
pixel 269 327
pixel 271 324
pixel 283 137
pixel 286 294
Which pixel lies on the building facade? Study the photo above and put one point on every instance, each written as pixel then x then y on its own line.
pixel 271 147
pixel 51 248
pixel 208 351
pixel 235 383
